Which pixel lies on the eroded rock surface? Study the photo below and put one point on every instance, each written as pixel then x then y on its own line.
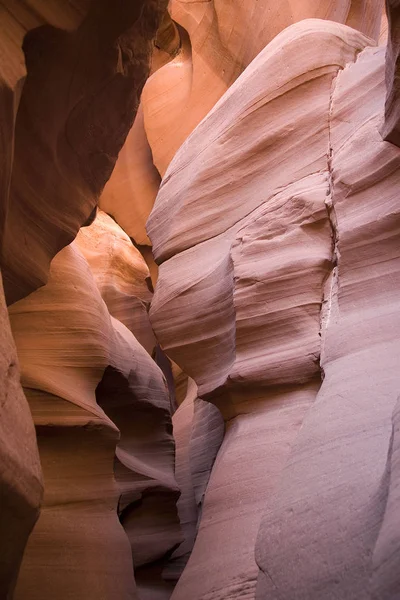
pixel 20 473
pixel 275 230
pixel 270 261
pixel 216 49
pixel 77 105
pixel 252 266
pixel 198 431
pixel 121 275
pixel 327 514
pixel 91 387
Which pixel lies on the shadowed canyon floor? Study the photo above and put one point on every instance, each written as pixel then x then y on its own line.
pixel 199 235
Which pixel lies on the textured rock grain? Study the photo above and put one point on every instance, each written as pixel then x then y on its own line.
pixel 391 125
pixel 216 48
pixel 245 249
pixel 78 103
pixel 92 387
pixel 320 530
pixel 121 275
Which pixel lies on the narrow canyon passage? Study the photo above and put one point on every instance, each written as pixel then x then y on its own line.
pixel 199 249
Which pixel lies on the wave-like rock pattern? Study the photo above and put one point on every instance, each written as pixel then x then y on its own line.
pixel 320 529
pixel 121 275
pixel 77 105
pixel 386 557
pixel 91 386
pixel 244 240
pixel 196 58
pixel 217 48
pixel 391 125
pixel 198 432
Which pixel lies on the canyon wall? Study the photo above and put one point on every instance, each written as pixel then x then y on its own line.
pixel 71 78
pixel 204 405
pixel 275 232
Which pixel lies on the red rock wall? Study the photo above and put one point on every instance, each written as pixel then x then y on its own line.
pixel 275 229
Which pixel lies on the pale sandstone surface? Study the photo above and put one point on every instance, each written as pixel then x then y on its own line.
pixel 213 265
pixel 77 105
pixel 276 231
pixel 320 529
pixel 20 472
pixel 189 77
pixel 385 560
pixel 241 280
pixel 92 386
pixel 236 493
pixel 217 50
pixel 198 432
pixel 187 506
pixel 121 275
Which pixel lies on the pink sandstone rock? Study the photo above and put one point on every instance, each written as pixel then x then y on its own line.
pixel 91 386
pixel 216 50
pixel 246 248
pixel 189 78
pixel 391 125
pixel 198 432
pixel 275 229
pixel 121 275
pixel 327 513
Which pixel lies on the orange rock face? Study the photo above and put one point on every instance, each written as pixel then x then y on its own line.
pixel 77 105
pixel 203 372
pixel 20 472
pixel 85 375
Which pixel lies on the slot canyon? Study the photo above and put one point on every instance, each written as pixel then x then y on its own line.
pixel 200 300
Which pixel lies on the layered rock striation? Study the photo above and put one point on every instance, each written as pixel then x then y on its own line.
pixel 240 440
pixel 102 414
pixel 263 224
pixel 76 107
pixel 330 507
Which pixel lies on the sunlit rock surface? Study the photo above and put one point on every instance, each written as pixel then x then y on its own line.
pixel 91 387
pixel 216 48
pixel 330 506
pixel 247 448
pixel 121 275
pixel 262 227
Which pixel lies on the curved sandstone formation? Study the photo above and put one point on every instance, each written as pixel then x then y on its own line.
pixel 248 447
pixel 218 49
pixel 132 188
pixel 189 78
pixel 121 275
pixel 78 103
pixel 251 269
pixel 391 125
pixel 248 247
pixel 62 363
pixel 327 513
pixel 89 382
pixel 198 432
